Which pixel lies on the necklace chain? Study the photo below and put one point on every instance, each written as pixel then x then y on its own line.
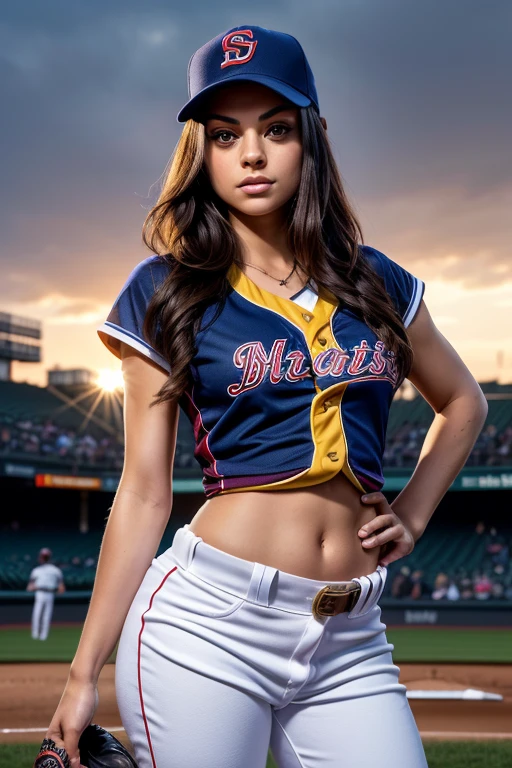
pixel 283 281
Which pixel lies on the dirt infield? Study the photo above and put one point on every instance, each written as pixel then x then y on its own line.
pixel 31 693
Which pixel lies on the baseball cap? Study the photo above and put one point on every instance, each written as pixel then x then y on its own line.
pixel 257 54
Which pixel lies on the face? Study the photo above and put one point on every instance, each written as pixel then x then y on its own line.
pixel 252 131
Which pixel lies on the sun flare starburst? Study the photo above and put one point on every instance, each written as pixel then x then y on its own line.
pixel 109 379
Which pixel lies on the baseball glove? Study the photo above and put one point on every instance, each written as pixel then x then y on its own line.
pixel 98 749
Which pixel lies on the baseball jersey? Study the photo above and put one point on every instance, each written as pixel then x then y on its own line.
pixel 46 576
pixel 285 392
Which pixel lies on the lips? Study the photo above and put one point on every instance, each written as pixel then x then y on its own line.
pixel 254 180
pixel 255 189
pixel 254 185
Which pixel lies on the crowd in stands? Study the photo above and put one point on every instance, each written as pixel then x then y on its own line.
pixel 75 562
pixel 491 580
pixel 46 439
pixel 492 448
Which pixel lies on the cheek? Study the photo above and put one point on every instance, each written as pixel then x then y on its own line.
pixel 291 166
pixel 219 170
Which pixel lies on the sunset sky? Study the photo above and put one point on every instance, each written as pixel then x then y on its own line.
pixel 417 100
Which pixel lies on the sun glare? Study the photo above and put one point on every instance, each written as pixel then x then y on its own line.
pixel 109 379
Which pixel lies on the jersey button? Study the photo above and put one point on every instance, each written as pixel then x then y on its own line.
pixel 307 317
pixel 328 404
pixel 323 342
pixel 333 455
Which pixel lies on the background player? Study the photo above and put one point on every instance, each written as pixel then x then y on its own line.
pixel 45 580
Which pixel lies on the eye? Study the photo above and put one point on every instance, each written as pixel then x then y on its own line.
pixel 216 136
pixel 286 128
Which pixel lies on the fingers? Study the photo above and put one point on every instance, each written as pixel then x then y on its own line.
pixel 381 521
pixel 376 497
pixel 70 744
pixel 72 737
pixel 56 736
pixel 390 534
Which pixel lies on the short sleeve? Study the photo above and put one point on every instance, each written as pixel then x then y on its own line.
pixel 405 290
pixel 32 574
pixel 126 318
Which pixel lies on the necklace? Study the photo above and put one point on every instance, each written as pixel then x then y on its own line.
pixel 281 282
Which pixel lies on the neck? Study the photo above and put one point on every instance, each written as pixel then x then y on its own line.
pixel 264 240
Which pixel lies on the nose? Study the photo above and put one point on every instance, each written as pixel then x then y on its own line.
pixel 252 151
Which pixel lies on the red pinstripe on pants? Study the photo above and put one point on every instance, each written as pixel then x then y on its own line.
pixel 138 663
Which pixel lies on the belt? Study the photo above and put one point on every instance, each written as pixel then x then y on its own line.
pixel 335 598
pixel 45 589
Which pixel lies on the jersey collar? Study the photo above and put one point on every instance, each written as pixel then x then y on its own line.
pixel 310 321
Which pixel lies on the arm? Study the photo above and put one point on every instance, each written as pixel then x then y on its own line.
pixel 31 586
pixel 460 407
pixel 139 514
pixel 61 588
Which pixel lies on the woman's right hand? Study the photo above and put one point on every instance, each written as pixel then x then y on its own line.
pixel 76 709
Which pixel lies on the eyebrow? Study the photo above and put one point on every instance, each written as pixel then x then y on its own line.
pixel 264 116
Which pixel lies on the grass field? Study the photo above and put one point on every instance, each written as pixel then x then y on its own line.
pixel 430 644
pixel 446 754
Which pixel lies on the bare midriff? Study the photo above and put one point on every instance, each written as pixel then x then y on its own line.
pixel 310 532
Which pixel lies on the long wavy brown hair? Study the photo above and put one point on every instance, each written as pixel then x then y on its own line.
pixel 189 227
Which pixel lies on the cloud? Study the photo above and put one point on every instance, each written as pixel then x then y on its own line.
pixel 413 94
pixel 452 236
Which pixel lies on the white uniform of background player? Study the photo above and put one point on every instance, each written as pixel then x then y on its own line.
pixel 45 580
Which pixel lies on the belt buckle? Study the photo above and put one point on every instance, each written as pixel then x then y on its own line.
pixel 335 598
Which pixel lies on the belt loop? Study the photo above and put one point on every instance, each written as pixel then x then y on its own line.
pixel 372 587
pixel 185 546
pixel 383 572
pixel 262 578
pixel 376 589
pixel 366 585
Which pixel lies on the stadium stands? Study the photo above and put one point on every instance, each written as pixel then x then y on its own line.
pixel 79 430
pixel 82 428
pixel 75 553
pixel 453 561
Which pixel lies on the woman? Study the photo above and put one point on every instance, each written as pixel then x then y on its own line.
pixel 284 340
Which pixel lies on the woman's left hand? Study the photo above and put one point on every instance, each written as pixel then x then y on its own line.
pixel 396 537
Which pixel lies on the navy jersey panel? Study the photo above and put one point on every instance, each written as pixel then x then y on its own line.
pixel 404 288
pixel 284 393
pixel 365 429
pixel 125 320
pixel 254 406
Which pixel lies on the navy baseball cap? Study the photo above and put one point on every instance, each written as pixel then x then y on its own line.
pixel 274 59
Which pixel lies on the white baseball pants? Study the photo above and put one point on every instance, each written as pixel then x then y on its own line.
pixel 42 612
pixel 221 658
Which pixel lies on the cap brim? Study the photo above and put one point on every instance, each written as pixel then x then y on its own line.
pixel 192 106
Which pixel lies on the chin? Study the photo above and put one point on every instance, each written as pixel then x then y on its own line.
pixel 261 212
pixel 260 207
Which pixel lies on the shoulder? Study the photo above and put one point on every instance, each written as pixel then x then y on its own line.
pixel 125 321
pixel 405 289
pixel 376 259
pixel 149 273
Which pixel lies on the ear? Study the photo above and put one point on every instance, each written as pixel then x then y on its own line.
pixel 324 122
